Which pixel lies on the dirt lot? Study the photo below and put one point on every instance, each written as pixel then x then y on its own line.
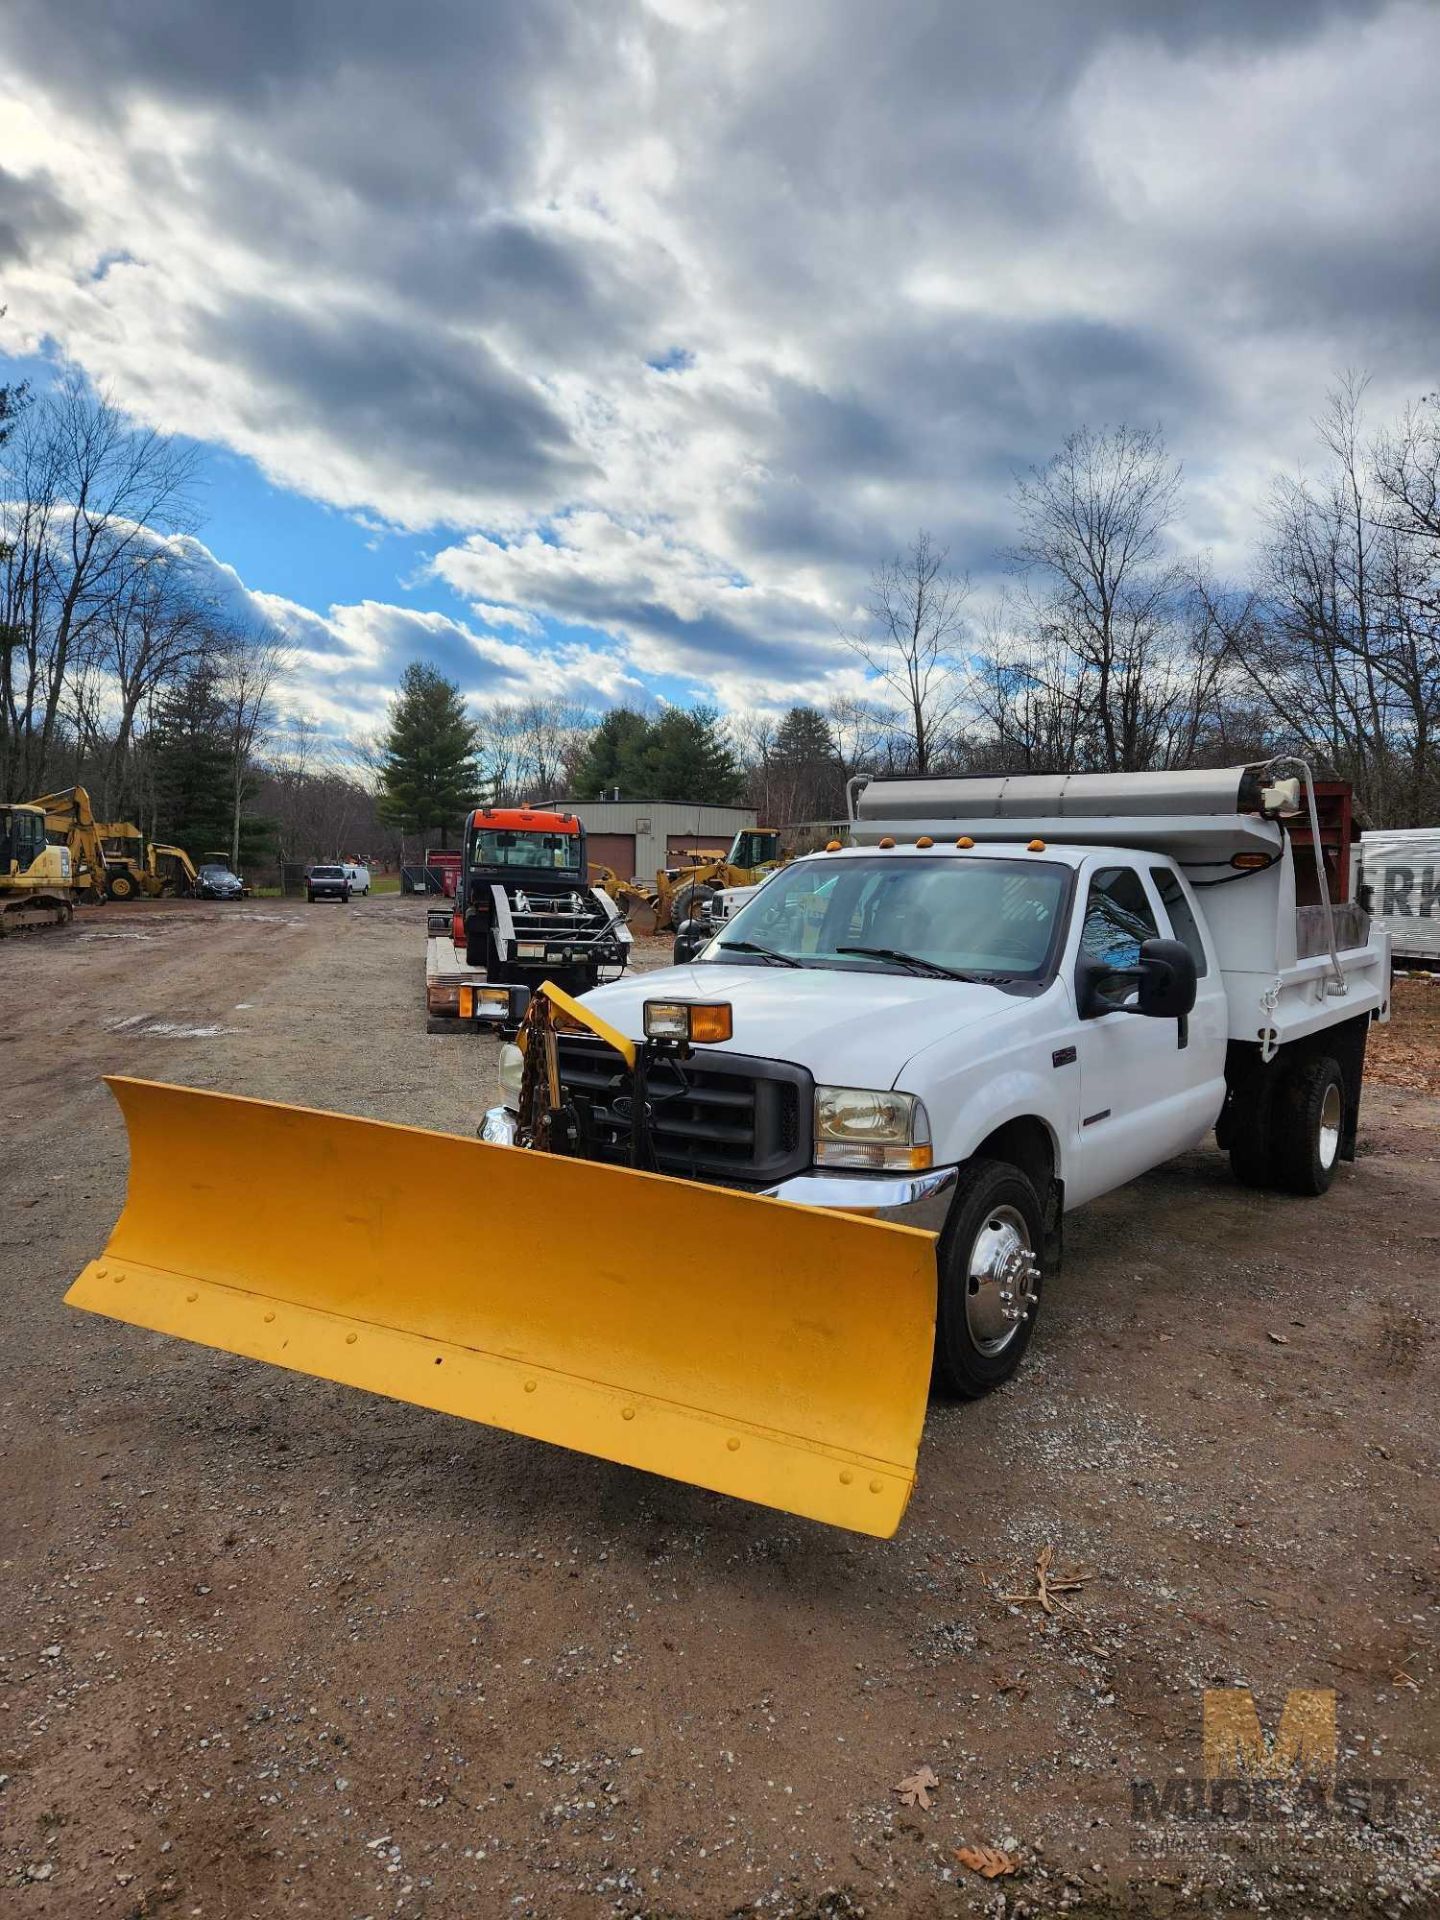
pixel 270 1646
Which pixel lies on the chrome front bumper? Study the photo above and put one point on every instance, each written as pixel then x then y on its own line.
pixel 907 1199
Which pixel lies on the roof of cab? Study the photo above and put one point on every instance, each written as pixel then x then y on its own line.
pixel 525 819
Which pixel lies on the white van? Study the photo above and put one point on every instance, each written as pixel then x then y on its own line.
pixel 359 877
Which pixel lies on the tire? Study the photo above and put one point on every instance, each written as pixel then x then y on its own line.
pixel 1309 1126
pixel 686 902
pixel 344 896
pixel 311 898
pixel 993 1240
pixel 1252 1138
pixel 121 887
pixel 439 1023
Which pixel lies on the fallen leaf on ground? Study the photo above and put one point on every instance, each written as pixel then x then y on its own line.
pixel 1049 1585
pixel 989 1861
pixel 914 1789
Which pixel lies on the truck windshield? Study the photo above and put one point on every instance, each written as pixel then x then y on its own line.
pixel 499 847
pixel 1001 919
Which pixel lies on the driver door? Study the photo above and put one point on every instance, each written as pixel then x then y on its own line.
pixel 1137 1084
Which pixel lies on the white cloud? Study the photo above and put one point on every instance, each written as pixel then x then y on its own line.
pixel 679 315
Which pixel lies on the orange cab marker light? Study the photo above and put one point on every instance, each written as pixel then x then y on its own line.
pixel 832 846
pixel 1250 862
pixel 924 841
pixel 965 841
pixel 886 842
pixel 1036 846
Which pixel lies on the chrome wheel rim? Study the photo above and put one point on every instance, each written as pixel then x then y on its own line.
pixel 1001 1280
pixel 1331 1113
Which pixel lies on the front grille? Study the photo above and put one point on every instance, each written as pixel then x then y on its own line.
pixel 716 1116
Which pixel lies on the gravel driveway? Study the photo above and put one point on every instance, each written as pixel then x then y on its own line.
pixel 274 1647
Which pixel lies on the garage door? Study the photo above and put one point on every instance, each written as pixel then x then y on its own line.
pixel 615 850
pixel 682 848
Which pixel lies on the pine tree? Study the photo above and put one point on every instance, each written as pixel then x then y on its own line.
pixel 805 766
pixel 190 756
pixel 683 757
pixel 430 773
pixel 602 768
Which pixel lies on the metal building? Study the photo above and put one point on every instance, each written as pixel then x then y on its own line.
pixel 638 837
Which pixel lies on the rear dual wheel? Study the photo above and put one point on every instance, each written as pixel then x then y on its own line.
pixel 1290 1136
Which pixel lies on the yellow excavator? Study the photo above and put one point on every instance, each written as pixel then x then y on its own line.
pixel 36 881
pixel 681 891
pixel 70 817
pixel 660 1369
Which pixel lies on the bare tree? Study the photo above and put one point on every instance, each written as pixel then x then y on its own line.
pixel 1347 654
pixel 1093 525
pixel 916 619
pixel 251 661
pixel 82 490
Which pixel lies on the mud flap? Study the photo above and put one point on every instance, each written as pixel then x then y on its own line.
pixel 790 1367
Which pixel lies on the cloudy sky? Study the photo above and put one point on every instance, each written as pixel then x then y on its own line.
pixel 602 346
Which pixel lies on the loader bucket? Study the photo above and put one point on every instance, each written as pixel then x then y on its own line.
pixel 790 1369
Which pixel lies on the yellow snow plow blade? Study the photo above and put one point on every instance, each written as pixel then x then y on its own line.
pixel 790 1368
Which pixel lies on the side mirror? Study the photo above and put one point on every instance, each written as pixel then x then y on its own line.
pixel 1164 982
pixel 690 937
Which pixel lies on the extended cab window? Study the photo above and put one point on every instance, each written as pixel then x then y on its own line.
pixel 1182 919
pixel 1118 918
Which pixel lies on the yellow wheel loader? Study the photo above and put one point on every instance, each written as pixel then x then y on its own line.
pixel 680 892
pixel 35 877
pixel 798 1380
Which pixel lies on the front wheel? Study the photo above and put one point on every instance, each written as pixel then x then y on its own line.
pixel 122 887
pixel 989 1278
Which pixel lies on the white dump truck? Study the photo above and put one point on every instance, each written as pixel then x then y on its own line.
pixel 1006 997
pixel 879 1088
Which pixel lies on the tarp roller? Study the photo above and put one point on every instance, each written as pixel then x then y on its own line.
pixel 789 1367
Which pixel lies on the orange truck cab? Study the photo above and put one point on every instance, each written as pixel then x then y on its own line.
pixel 523 907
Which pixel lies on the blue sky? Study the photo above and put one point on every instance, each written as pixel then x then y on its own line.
pixel 601 352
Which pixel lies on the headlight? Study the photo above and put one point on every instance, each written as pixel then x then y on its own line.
pixel 512 1069
pixel 855 1127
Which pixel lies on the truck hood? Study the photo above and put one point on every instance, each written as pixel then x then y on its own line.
pixel 850 1029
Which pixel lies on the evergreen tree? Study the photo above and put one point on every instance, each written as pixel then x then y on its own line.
pixel 430 773
pixel 683 756
pixel 190 756
pixel 806 765
pixel 602 767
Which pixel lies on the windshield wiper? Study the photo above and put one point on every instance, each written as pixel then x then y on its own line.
pixel 766 953
pixel 916 963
